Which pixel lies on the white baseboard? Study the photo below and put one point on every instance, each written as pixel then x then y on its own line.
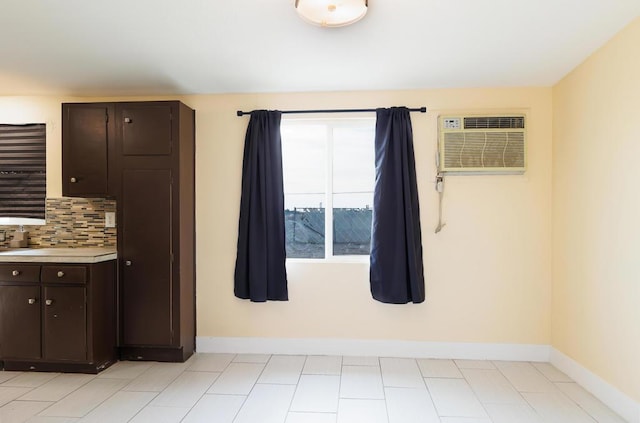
pixel 379 348
pixel 612 397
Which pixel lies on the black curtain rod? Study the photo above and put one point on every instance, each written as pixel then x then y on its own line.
pixel 288 112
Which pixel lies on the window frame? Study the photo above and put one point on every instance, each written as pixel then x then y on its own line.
pixel 330 124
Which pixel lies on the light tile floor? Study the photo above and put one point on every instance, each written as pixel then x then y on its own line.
pixel 255 388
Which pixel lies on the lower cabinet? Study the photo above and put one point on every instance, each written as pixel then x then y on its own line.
pixel 61 318
pixel 20 322
pixel 64 323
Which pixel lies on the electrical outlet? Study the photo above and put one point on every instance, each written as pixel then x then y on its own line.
pixel 110 220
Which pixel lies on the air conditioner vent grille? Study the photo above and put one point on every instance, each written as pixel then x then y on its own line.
pixel 494 122
pixel 482 144
pixel 482 150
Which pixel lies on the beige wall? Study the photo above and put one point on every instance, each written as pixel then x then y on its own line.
pixel 488 273
pixel 596 207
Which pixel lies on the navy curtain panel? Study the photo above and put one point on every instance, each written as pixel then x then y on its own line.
pixel 396 273
pixel 260 273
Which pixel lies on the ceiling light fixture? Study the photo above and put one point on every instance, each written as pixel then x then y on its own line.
pixel 332 13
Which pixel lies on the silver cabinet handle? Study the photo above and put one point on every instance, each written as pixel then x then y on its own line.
pixel 31 301
pixel 127 263
pixel 128 120
pixel 73 180
pixel 48 302
pixel 60 274
pixel 16 273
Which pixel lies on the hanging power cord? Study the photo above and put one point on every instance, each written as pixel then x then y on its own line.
pixel 440 189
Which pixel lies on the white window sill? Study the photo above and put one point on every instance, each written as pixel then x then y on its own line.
pixel 331 260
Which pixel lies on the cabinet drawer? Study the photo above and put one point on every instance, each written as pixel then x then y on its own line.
pixel 64 274
pixel 19 273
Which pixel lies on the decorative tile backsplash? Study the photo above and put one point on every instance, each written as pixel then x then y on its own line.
pixel 71 222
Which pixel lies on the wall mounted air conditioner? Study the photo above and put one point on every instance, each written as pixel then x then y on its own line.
pixel 482 144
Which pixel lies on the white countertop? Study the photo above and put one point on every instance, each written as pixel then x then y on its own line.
pixel 57 255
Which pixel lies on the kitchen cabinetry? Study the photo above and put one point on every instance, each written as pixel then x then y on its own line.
pixel 64 323
pixel 149 151
pixel 57 317
pixel 88 134
pixel 20 322
pixel 156 211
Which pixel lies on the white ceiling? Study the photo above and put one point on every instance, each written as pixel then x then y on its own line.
pixel 144 47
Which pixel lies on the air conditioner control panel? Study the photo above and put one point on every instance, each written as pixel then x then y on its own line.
pixel 452 123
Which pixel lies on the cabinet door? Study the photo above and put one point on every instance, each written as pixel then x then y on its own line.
pixel 20 322
pixel 85 138
pixel 146 129
pixel 65 323
pixel 146 253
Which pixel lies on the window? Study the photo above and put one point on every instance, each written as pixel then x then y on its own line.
pixel 23 182
pixel 329 175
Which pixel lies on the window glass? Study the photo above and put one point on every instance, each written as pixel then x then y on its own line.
pixel 328 183
pixel 304 153
pixel 353 179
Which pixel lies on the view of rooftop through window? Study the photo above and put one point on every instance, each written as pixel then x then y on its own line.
pixel 328 184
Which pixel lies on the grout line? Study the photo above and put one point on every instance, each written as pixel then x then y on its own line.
pixel 68 394
pixel 145 406
pixel 306 358
pixel 246 397
pixel 97 405
pixel 384 391
pixel 340 387
pixel 200 397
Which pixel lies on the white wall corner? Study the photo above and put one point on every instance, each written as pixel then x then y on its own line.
pixel 378 348
pixel 608 394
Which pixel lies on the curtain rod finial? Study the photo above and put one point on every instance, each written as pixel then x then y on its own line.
pixel 423 110
pixel 240 113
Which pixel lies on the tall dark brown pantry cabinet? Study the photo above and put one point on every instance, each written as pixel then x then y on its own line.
pixel 150 150
pixel 156 203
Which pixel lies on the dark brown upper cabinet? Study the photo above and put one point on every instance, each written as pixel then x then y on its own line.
pixel 88 137
pixel 146 129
